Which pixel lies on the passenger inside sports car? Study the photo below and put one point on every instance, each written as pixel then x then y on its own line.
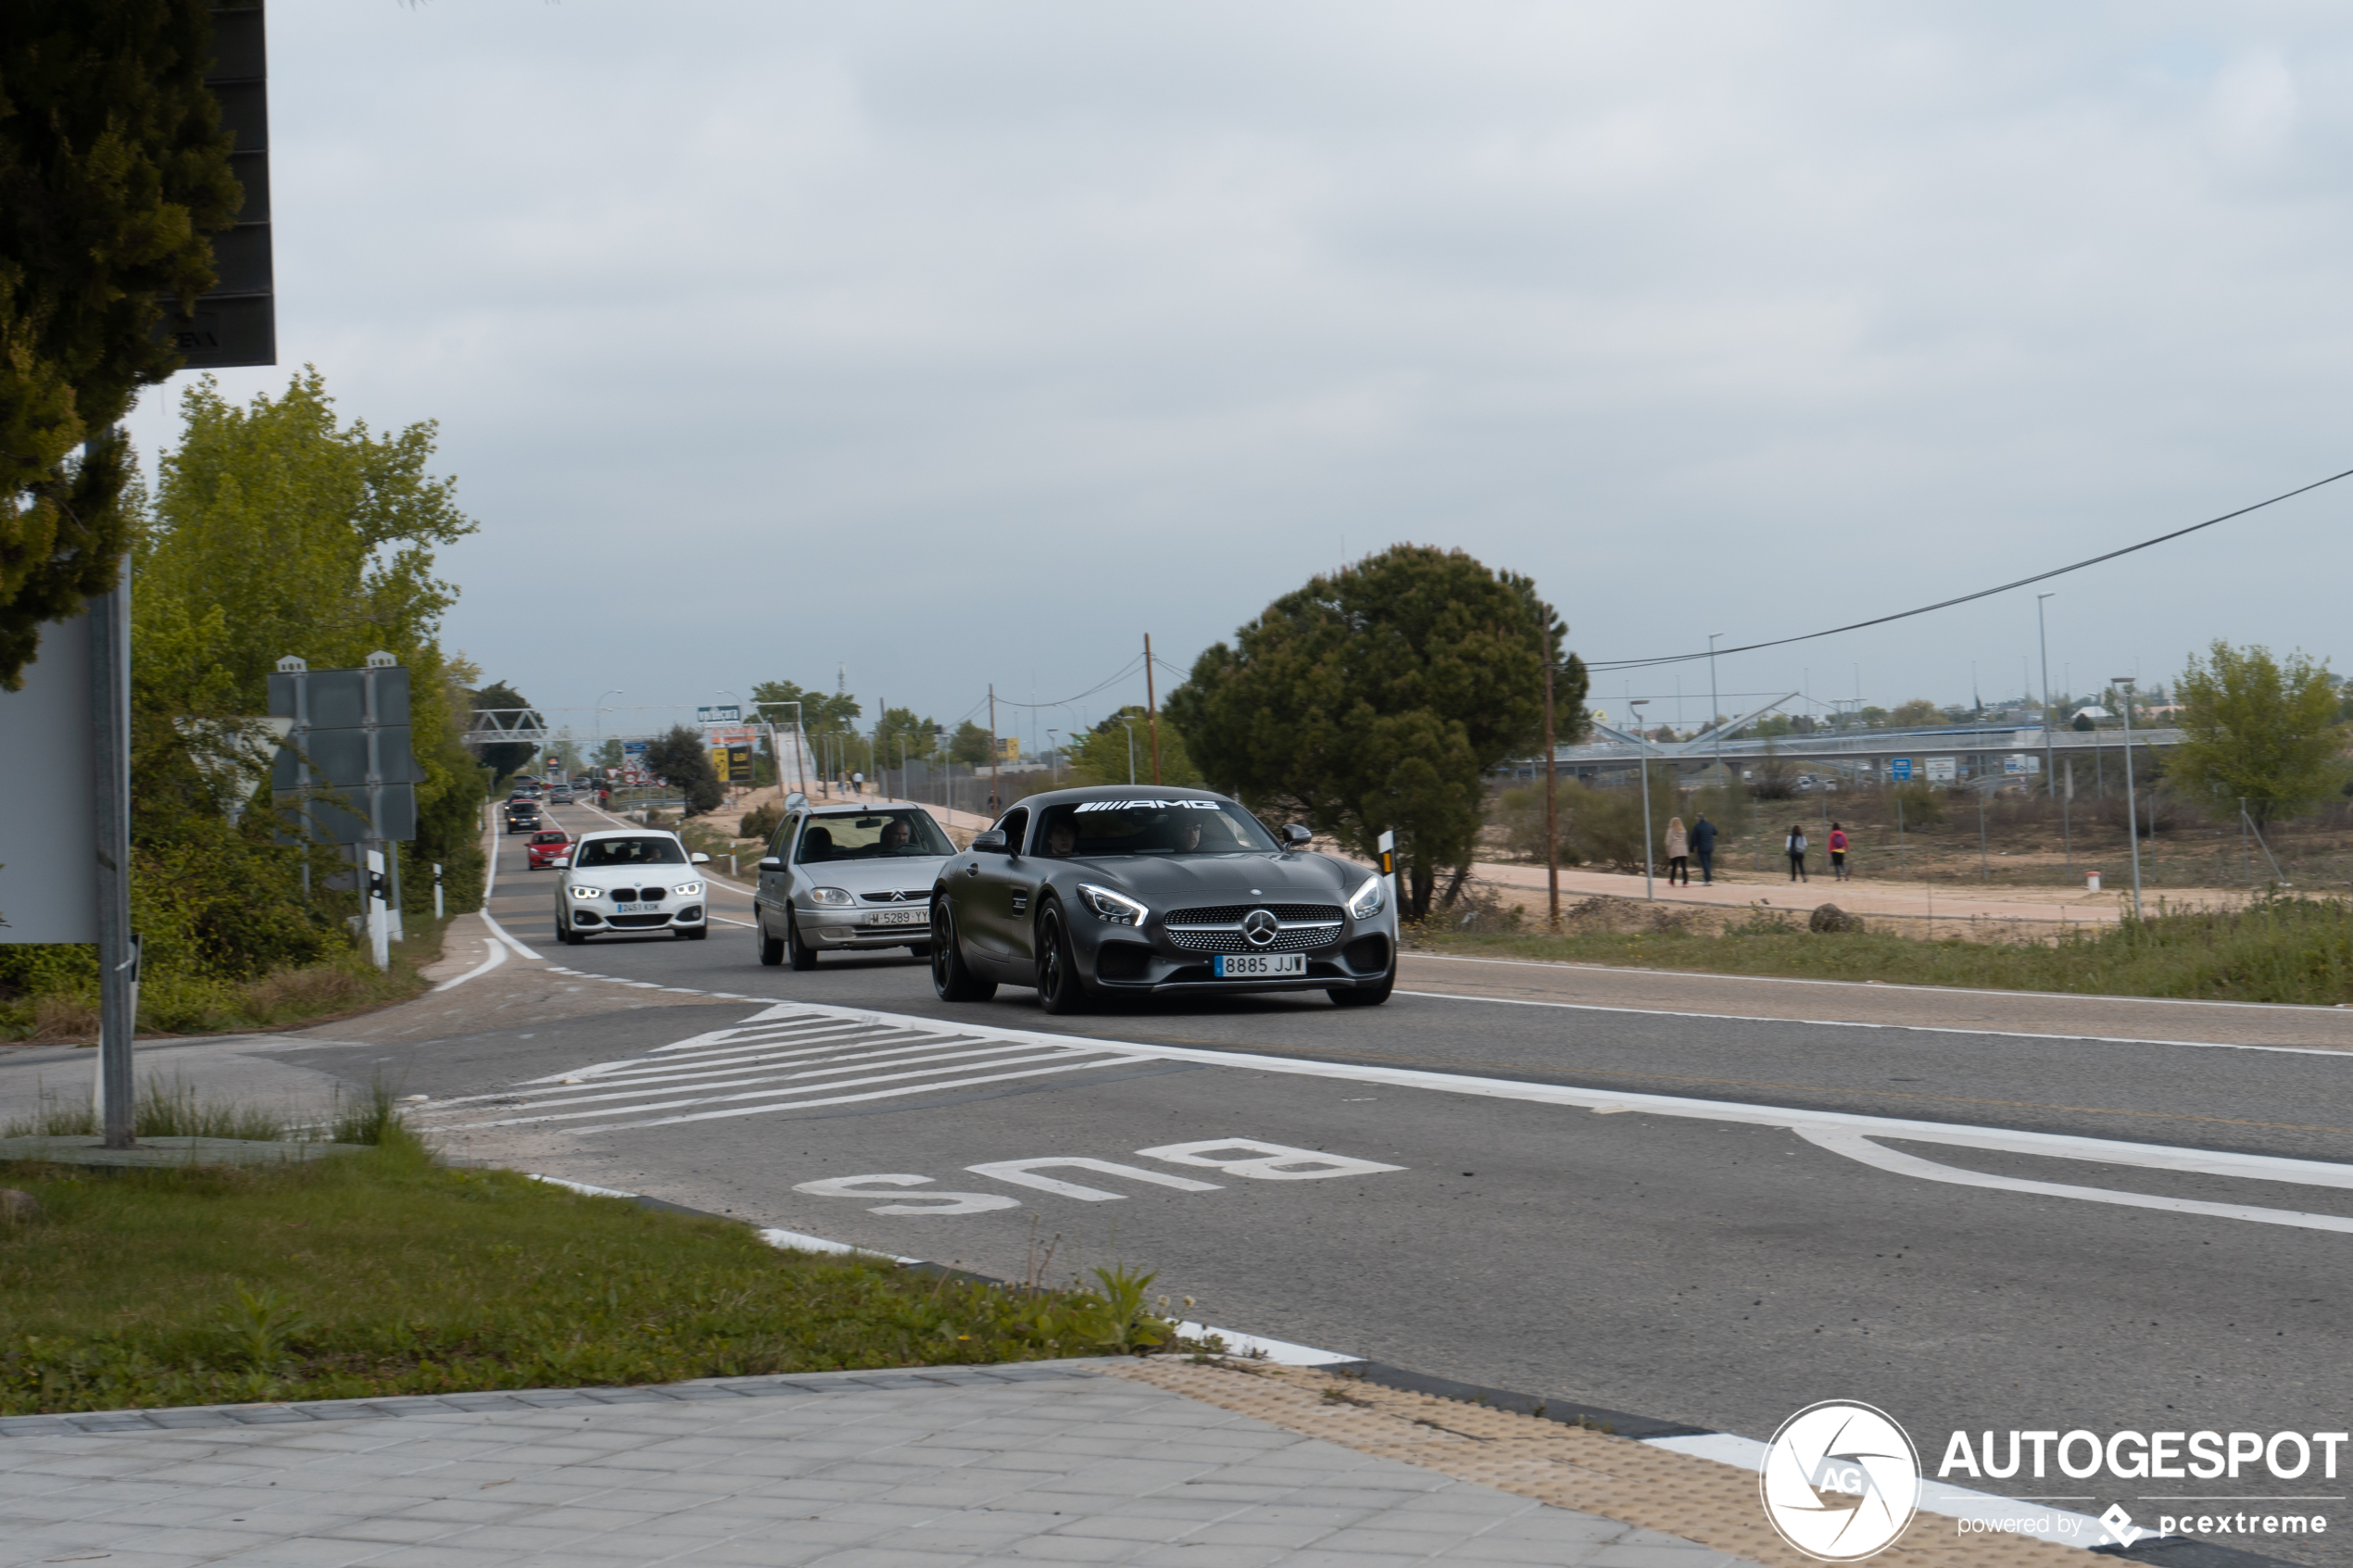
pixel 1153 828
pixel 875 835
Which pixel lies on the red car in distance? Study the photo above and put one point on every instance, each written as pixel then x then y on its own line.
pixel 545 848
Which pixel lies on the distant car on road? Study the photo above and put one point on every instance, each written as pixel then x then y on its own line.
pixel 846 878
pixel 560 796
pixel 1102 892
pixel 630 880
pixel 547 848
pixel 522 816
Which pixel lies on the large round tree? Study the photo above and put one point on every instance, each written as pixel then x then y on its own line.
pixel 1376 698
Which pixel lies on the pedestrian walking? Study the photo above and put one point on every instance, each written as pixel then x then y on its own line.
pixel 1678 852
pixel 1796 844
pixel 1838 853
pixel 858 784
pixel 1703 837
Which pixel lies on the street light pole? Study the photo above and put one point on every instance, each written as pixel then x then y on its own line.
pixel 2132 806
pixel 1638 703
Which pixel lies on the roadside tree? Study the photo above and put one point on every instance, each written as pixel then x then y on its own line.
pixel 1101 756
pixel 1919 713
pixel 969 745
pixel 2254 728
pixel 1376 698
pixel 113 172
pixel 679 760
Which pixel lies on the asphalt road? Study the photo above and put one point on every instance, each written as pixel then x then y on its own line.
pixel 1667 1214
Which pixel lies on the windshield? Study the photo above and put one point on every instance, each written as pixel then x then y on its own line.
pixel 630 852
pixel 1092 828
pixel 875 835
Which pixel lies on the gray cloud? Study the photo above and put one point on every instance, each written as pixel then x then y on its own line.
pixel 968 342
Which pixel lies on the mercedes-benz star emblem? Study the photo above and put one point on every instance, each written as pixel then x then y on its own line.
pixel 1260 926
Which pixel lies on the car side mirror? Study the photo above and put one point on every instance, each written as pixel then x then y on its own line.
pixel 699 859
pixel 990 843
pixel 771 863
pixel 1296 836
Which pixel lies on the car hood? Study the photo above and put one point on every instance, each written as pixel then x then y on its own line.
pixel 915 875
pixel 1227 878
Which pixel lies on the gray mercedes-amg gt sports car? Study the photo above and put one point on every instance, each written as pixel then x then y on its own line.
pixel 1144 891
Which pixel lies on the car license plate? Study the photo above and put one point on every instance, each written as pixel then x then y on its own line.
pixel 1250 966
pixel 899 917
pixel 627 908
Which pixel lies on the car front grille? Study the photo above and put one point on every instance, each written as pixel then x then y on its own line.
pixel 1231 914
pixel 637 920
pixel 905 896
pixel 1296 939
pixel 639 895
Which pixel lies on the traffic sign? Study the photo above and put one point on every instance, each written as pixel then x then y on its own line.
pixel 723 714
pixel 1900 769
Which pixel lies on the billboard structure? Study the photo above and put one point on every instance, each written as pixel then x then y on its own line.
pixel 345 772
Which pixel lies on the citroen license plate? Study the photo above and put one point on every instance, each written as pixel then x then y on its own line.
pixel 1255 966
pixel 899 917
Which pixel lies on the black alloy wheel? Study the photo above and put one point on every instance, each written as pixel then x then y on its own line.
pixel 693 933
pixel 1367 997
pixel 564 932
pixel 802 954
pixel 772 948
pixel 1060 990
pixel 950 977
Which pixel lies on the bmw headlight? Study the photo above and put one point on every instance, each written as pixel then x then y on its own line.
pixel 688 890
pixel 1113 909
pixel 580 892
pixel 833 898
pixel 1366 902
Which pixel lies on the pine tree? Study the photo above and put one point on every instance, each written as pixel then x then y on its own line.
pixel 113 170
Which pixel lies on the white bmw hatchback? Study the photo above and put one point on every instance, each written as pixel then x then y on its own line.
pixel 629 881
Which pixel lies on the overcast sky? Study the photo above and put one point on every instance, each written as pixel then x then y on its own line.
pixel 959 342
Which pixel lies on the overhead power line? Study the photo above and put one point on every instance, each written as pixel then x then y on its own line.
pixel 1965 599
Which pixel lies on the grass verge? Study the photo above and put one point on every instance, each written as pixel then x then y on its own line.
pixel 2277 950
pixel 381 1272
pixel 190 1004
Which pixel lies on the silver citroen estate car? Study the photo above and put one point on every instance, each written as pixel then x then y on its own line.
pixel 849 878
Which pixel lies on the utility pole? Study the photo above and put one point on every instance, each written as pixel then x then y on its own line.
pixel 2050 753
pixel 1715 710
pixel 1638 703
pixel 109 633
pixel 1551 806
pixel 2132 806
pixel 1151 706
pixel 994 804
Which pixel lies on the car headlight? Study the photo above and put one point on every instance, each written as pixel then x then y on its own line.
pixel 580 892
pixel 1113 909
pixel 688 889
pixel 835 897
pixel 1366 902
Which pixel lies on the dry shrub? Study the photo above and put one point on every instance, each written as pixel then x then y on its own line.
pixel 64 1017
pixel 319 989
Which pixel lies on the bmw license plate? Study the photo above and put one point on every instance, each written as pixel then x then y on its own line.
pixel 899 917
pixel 1253 966
pixel 627 908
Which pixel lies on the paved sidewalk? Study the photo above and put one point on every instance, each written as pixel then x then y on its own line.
pixel 1043 1462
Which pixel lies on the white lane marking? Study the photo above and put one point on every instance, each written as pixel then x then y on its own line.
pixel 1855 1024
pixel 2257 1167
pixel 581 1187
pixel 794 1241
pixel 1856 1147
pixel 851 1099
pixel 725 919
pixel 1979 992
pixel 1024 1173
pixel 854 1065
pixel 498 955
pixel 919 1202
